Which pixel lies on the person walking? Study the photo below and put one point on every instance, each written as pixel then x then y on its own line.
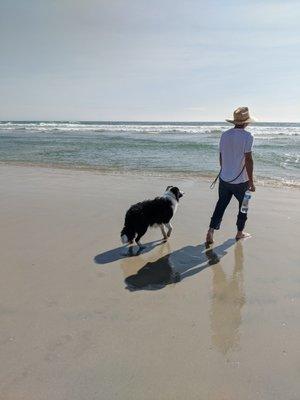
pixel 236 174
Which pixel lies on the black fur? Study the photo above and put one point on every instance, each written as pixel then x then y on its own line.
pixel 148 213
pixel 176 192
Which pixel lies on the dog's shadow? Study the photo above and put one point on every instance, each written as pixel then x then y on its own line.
pixel 123 252
pixel 176 266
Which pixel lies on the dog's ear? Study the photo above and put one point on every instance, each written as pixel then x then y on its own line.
pixel 168 188
pixel 177 193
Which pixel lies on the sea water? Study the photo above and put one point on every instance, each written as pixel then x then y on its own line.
pixel 148 147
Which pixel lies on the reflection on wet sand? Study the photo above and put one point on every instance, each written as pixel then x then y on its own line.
pixel 228 298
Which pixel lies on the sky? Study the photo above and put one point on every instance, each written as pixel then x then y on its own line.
pixel 158 60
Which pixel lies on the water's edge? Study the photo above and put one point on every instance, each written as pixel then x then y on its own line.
pixel 157 149
pixel 259 181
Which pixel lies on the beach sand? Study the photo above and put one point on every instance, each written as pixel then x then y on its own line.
pixel 70 329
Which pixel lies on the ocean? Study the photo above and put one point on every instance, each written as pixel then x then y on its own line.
pixel 148 147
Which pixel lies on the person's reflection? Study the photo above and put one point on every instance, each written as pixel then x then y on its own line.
pixel 228 299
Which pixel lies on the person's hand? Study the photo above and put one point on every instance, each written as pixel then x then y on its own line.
pixel 251 186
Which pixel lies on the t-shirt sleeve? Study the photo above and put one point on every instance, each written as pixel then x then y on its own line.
pixel 249 144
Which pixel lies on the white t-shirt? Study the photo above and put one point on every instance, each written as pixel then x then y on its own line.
pixel 234 144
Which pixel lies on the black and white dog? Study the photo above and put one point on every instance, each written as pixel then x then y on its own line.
pixel 149 213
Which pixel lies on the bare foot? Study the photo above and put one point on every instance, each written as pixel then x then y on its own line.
pixel 242 235
pixel 210 237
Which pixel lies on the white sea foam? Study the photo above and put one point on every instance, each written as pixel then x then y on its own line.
pixel 263 131
pixel 188 148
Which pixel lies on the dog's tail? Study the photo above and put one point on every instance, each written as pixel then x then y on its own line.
pixel 127 234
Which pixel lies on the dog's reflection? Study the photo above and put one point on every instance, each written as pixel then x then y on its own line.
pixel 228 298
pixel 176 266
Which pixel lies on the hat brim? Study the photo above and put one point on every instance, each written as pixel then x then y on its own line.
pixel 247 121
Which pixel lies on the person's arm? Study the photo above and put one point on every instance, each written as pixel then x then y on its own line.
pixel 249 169
pixel 220 159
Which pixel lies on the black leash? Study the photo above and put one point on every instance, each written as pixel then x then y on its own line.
pixel 212 185
pixel 214 182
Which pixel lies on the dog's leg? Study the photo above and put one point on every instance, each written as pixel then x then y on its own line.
pixel 163 231
pixel 137 241
pixel 170 228
pixel 139 244
pixel 140 234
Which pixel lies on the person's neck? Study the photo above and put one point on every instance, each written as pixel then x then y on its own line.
pixel 239 127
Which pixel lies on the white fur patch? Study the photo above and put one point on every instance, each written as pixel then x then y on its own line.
pixel 124 239
pixel 169 195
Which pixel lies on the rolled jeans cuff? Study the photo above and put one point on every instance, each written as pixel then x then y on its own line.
pixel 215 224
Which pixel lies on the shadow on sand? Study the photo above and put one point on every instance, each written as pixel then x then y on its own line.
pixel 176 266
pixel 123 252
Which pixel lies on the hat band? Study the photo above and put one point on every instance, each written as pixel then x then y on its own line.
pixel 241 120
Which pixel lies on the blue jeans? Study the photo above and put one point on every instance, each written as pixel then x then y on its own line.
pixel 226 191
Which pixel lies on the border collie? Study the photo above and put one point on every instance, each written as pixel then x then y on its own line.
pixel 149 213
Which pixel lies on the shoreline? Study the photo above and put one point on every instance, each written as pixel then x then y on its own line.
pixel 259 182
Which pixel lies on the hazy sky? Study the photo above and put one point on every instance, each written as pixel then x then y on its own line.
pixel 149 59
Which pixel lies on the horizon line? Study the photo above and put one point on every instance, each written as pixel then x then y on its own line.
pixel 142 121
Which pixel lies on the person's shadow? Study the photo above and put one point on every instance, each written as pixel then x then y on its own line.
pixel 123 252
pixel 176 266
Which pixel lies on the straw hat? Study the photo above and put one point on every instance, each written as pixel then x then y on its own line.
pixel 241 116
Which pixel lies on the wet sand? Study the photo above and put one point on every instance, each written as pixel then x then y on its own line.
pixel 221 324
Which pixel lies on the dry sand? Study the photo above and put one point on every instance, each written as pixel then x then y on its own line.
pixel 71 330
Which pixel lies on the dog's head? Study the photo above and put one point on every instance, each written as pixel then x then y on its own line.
pixel 175 192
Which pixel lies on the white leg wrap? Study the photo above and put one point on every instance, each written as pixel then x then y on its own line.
pixel 170 228
pixel 163 231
